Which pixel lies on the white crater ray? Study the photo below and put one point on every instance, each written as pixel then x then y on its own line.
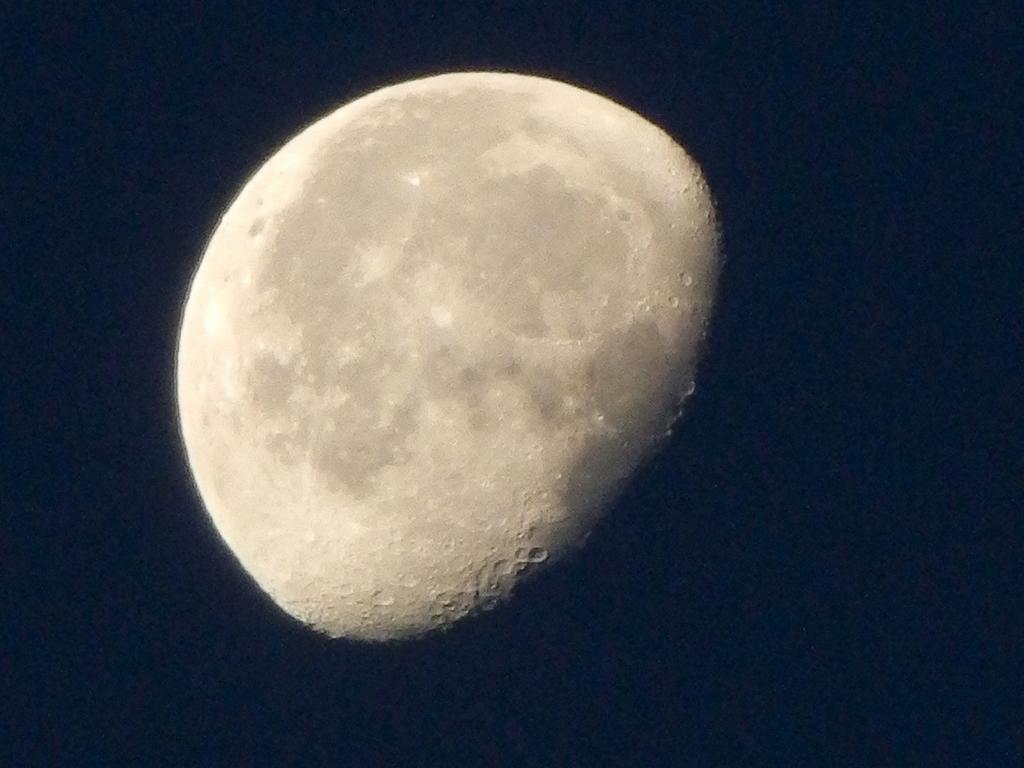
pixel 432 336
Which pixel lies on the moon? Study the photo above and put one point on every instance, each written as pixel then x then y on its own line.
pixel 431 338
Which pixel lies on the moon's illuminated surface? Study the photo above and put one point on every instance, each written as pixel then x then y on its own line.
pixel 430 338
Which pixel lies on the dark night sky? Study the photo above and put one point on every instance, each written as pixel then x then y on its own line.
pixel 825 568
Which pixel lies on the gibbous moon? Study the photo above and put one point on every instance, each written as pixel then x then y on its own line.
pixel 430 339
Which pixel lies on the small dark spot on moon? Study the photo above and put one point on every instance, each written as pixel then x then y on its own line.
pixel 481 420
pixel 623 214
pixel 625 371
pixel 257 227
pixel 269 384
pixel 470 377
pixel 597 475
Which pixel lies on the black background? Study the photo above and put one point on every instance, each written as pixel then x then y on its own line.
pixel 824 568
